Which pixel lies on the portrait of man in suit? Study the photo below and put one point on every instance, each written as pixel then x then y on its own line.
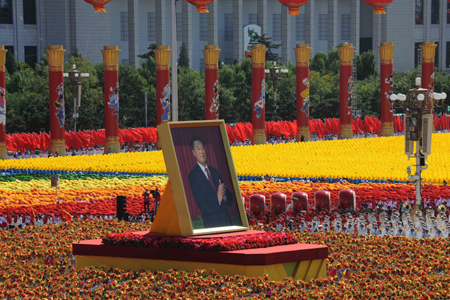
pixel 208 188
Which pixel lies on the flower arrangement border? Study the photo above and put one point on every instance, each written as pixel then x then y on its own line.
pixel 229 243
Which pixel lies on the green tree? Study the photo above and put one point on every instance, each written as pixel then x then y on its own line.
pixel 150 53
pixel 267 41
pixel 366 65
pixel 191 95
pixel 10 63
pixel 183 61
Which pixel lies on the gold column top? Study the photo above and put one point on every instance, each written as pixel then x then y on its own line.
pixel 3 52
pixel 211 53
pixel 55 55
pixel 386 52
pixel 258 54
pixel 162 55
pixel 302 53
pixel 110 55
pixel 428 50
pixel 346 52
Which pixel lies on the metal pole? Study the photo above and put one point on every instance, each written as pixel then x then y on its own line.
pixel 75 113
pixel 275 101
pixel 174 64
pixel 419 173
pixel 146 110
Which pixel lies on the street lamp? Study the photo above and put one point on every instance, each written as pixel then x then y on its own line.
pixel 418 106
pixel 76 77
pixel 174 63
pixel 276 74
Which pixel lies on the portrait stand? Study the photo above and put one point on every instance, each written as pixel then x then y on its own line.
pixel 175 218
pixel 166 221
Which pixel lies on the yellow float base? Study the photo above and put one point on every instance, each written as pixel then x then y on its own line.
pixel 304 270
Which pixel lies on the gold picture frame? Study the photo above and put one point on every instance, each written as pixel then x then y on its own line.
pixel 173 216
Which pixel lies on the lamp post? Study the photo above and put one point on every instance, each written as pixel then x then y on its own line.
pixel 276 74
pixel 76 77
pixel 174 63
pixel 418 106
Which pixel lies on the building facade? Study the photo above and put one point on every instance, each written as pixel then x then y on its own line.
pixel 27 27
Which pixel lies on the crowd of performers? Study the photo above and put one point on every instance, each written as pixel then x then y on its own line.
pixel 366 218
pixel 20 221
pixel 383 218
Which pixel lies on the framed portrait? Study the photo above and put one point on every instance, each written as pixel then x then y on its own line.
pixel 202 177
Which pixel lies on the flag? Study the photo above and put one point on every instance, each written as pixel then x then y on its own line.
pixel 33 217
pixel 66 215
pixel 10 144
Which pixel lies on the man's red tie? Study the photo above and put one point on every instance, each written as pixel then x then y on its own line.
pixel 210 179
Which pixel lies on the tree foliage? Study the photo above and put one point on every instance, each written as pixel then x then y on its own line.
pixel 267 41
pixel 183 61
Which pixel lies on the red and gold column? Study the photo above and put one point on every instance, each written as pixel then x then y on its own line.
pixel 428 50
pixel 162 57
pixel 345 90
pixel 111 67
pixel 258 94
pixel 211 53
pixel 3 152
pixel 56 95
pixel 387 88
pixel 302 53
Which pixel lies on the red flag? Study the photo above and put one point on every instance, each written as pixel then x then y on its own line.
pixel 101 140
pixel 10 144
pixel 33 217
pixel 84 138
pixel 68 140
pixel 66 215
pixel 75 140
pixel 47 140
pixel 136 136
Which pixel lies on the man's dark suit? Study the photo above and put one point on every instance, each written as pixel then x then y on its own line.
pixel 214 214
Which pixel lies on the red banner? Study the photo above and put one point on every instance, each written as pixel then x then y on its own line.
pixel 387 89
pixel 57 105
pixel 258 98
pixel 211 92
pixel 162 95
pixel 303 98
pixel 345 97
pixel 111 103
pixel 2 108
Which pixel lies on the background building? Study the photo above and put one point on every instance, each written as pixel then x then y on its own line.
pixel 28 26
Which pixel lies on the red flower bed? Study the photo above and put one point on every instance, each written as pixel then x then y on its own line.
pixel 253 241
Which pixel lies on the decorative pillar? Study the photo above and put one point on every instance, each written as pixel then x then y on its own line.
pixel 428 50
pixel 345 90
pixel 302 53
pixel 3 151
pixel 162 57
pixel 211 53
pixel 258 94
pixel 56 95
pixel 111 67
pixel 387 88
